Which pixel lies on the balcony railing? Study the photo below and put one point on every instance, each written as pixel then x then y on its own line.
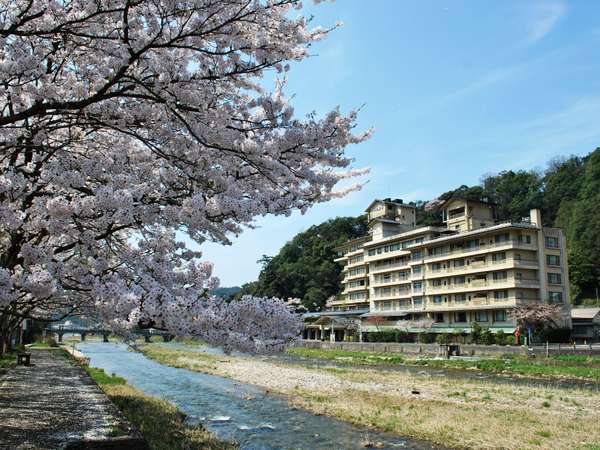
pixel 398 280
pixel 478 284
pixel 467 250
pixel 376 269
pixel 495 265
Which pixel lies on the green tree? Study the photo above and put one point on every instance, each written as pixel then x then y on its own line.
pixel 304 267
pixel 583 231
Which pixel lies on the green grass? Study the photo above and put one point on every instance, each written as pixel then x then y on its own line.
pixel 7 361
pixel 570 366
pixel 102 378
pixel 363 358
pixel 538 367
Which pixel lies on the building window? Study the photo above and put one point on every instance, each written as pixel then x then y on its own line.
pixel 554 278
pixel 437 299
pixel 417 286
pixel 498 257
pixel 459 280
pixel 436 282
pixel 499 275
pixel 555 297
pixel 551 242
pixel 553 260
pixel 456 212
pixel 416 270
pixel 500 295
pixel 500 315
pixel 439 318
pixel 459 263
pixel 525 238
pixel 416 256
pixel 418 301
pixel 481 316
pixel 460 317
pixel 460 297
pixel 501 238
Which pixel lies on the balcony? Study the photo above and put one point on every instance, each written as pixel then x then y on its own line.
pixel 394 294
pixel 348 278
pixel 473 304
pixel 475 285
pixel 487 266
pixel 387 267
pixel 386 255
pixel 391 282
pixel 356 288
pixel 481 248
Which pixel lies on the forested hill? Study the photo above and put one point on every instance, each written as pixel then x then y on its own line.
pixel 567 192
pixel 304 267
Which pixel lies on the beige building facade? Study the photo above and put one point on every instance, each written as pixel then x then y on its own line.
pixel 446 278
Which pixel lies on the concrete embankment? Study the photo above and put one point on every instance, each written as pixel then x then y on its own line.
pixel 53 403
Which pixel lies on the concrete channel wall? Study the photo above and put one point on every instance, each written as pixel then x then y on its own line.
pixel 465 349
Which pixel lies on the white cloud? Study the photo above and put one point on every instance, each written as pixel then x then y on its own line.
pixel 542 18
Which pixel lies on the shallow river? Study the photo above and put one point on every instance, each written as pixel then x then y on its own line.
pixel 234 410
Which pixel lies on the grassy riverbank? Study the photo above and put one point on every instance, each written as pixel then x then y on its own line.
pixel 569 366
pixel 455 412
pixel 160 422
pixel 8 360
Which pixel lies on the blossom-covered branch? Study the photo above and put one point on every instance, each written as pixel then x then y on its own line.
pixel 124 121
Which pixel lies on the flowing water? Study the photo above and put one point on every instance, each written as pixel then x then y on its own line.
pixel 237 411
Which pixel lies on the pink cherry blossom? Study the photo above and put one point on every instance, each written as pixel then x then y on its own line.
pixel 124 123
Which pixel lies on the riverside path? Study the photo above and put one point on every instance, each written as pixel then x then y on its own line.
pixel 54 404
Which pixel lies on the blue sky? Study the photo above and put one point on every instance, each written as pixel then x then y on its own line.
pixel 454 90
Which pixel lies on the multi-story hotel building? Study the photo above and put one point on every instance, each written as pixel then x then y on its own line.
pixel 445 278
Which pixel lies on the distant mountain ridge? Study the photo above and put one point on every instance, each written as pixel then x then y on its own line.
pixel 226 292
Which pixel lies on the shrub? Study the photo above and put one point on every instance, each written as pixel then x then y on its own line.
pixel 487 338
pixel 443 338
pixel 402 336
pixel 500 337
pixel 554 335
pixel 458 336
pixel 476 333
pixel 427 338
pixel 51 341
pixel 510 340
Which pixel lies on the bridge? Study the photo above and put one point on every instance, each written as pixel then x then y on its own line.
pixel 61 330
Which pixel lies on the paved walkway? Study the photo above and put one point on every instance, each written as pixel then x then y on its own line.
pixel 53 403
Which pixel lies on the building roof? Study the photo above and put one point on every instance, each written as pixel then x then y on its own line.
pixel 364 238
pixel 385 314
pixel 466 199
pixel 584 313
pixel 478 231
pixel 396 201
pixel 353 312
pixel 408 234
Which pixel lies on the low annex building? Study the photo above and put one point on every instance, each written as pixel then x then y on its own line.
pixel 441 279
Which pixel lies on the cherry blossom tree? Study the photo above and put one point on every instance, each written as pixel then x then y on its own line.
pixel 536 315
pixel 125 122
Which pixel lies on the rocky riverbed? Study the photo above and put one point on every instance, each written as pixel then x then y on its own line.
pixel 470 412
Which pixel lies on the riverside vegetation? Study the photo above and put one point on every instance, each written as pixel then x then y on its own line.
pixel 567 366
pixel 454 412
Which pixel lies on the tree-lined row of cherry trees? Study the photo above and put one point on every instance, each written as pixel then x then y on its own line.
pixel 124 121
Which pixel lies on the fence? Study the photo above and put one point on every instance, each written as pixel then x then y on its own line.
pixel 465 349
